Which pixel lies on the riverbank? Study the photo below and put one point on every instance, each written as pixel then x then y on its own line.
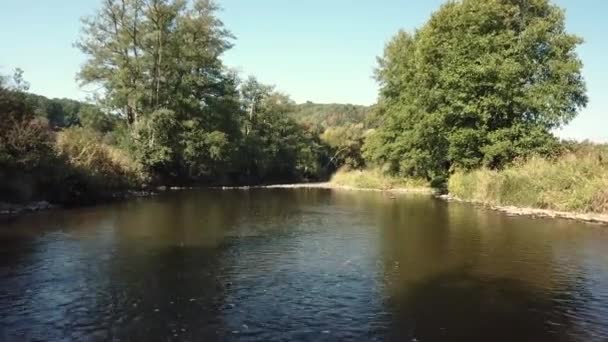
pixel 10 209
pixel 509 210
pixel 572 186
pixel 332 186
pixel 534 212
pixel 375 179
pixel 469 185
pixel 7 209
pixel 16 209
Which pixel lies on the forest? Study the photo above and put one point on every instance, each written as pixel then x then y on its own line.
pixel 475 93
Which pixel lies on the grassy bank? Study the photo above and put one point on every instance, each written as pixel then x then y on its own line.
pixel 574 182
pixel 73 166
pixel 375 179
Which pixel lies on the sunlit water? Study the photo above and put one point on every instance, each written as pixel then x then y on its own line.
pixel 291 265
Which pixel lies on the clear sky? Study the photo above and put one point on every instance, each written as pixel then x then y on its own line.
pixel 317 50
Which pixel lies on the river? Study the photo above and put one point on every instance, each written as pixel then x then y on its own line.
pixel 300 265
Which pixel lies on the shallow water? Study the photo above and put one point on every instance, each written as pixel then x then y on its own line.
pixel 300 264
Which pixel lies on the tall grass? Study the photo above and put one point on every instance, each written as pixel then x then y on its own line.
pixel 576 181
pixel 101 164
pixel 376 179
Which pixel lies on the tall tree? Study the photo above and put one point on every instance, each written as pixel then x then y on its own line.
pixel 275 146
pixel 153 54
pixel 482 82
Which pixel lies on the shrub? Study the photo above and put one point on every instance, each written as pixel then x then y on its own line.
pixel 26 145
pixel 103 166
pixel 26 154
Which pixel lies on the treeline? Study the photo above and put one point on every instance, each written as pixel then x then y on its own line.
pixel 168 113
pixel 332 114
pixel 77 152
pixel 58 150
pixel 482 84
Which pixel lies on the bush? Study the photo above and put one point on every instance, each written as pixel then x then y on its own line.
pixel 26 145
pixel 103 166
pixel 26 160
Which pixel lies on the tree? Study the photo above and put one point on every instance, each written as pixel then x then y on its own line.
pixel 275 146
pixel 156 141
pixel 330 115
pixel 345 143
pixel 14 107
pixel 159 60
pixel 154 54
pixel 92 117
pixel 477 82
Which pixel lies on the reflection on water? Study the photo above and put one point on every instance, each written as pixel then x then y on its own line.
pixel 300 265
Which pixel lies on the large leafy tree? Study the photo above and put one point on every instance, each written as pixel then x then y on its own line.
pixel 154 54
pixel 482 82
pixel 159 65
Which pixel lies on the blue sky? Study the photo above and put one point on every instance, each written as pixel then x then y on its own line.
pixel 317 50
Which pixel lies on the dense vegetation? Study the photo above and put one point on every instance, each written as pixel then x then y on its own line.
pixel 331 115
pixel 472 96
pixel 167 112
pixel 470 100
pixel 41 160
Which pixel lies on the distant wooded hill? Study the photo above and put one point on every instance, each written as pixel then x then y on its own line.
pixel 332 114
pixel 62 113
pixel 68 112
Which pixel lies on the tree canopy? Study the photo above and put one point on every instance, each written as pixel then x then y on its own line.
pixel 189 117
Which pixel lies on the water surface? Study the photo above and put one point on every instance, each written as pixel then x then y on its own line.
pixel 303 265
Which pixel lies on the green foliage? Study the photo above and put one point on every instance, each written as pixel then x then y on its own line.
pixel 505 145
pixel 13 107
pixel 154 54
pixel 156 140
pixel 73 165
pixel 18 105
pixel 330 115
pixel 26 145
pixel 92 117
pixel 570 182
pixel 206 154
pixel 25 141
pixel 275 146
pixel 59 112
pixel 481 83
pixel 189 118
pixel 345 143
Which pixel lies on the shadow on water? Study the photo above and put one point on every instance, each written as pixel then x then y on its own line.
pixel 459 307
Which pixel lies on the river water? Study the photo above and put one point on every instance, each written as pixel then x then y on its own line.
pixel 300 265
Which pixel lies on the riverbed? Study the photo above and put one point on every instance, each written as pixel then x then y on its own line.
pixel 310 264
